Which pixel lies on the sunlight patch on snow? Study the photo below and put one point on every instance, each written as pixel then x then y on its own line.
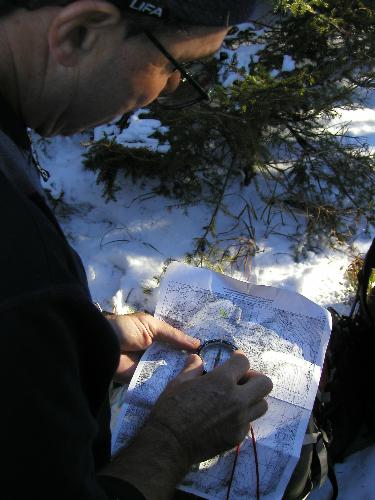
pixel 320 278
pixel 145 225
pixel 119 304
pixel 317 279
pixel 146 264
pixel 91 275
pixel 245 54
pixel 360 123
pixel 137 134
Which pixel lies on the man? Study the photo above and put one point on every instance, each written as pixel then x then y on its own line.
pixel 66 66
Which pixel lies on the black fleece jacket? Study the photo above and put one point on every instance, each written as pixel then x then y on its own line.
pixel 58 353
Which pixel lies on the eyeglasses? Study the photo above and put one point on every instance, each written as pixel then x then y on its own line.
pixel 196 81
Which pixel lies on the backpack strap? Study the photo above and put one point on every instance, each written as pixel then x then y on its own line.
pixel 323 466
pixel 332 477
pixel 364 278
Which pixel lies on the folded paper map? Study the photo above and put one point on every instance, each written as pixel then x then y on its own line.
pixel 283 334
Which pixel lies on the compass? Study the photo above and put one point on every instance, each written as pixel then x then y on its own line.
pixel 215 352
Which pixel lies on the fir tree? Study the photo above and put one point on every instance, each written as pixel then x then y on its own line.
pixel 275 124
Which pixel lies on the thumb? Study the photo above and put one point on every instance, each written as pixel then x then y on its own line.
pixel 193 368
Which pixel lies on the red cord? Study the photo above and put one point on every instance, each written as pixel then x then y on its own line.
pixel 256 466
pixel 256 461
pixel 233 469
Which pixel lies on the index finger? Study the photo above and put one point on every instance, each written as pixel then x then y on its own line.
pixel 256 388
pixel 163 332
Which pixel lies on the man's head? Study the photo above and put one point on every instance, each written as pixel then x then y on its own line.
pixel 69 67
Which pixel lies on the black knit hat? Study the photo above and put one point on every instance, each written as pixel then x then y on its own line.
pixel 204 12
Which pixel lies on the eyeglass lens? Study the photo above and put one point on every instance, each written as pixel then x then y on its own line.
pixel 186 94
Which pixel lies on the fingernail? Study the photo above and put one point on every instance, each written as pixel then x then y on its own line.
pixel 194 342
pixel 191 359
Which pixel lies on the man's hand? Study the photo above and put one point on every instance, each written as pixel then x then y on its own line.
pixel 136 332
pixel 195 418
pixel 210 414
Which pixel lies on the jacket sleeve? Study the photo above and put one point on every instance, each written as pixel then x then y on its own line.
pixel 57 357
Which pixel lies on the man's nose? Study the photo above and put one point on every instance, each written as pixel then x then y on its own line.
pixel 172 83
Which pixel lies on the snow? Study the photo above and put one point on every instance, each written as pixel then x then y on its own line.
pixel 288 63
pixel 361 123
pixel 244 54
pixel 137 134
pixel 355 477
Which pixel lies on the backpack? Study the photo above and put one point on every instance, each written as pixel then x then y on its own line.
pixel 343 418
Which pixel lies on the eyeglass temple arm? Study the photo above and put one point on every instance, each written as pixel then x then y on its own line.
pixel 177 65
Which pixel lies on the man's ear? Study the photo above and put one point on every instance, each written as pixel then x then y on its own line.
pixel 76 29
